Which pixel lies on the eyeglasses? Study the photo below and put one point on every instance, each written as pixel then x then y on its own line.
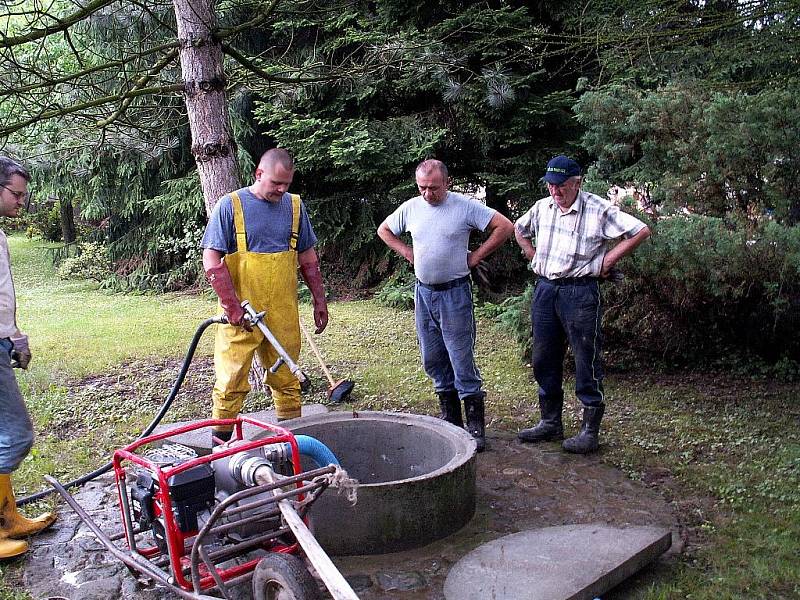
pixel 23 196
pixel 563 186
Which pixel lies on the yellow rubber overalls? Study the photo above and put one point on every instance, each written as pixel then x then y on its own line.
pixel 269 282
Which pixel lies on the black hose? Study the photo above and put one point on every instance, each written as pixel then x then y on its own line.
pixel 153 424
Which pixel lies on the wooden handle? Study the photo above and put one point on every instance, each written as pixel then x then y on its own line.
pixel 316 353
pixel 337 585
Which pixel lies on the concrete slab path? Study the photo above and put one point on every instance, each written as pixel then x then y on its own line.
pixel 569 562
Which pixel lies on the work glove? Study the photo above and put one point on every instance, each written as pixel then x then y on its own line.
pixel 482 275
pixel 220 279
pixel 313 278
pixel 21 354
pixel 614 275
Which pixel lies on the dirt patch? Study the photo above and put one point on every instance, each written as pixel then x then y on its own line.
pixel 155 379
pixel 519 486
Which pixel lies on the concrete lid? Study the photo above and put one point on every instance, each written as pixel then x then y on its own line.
pixel 568 562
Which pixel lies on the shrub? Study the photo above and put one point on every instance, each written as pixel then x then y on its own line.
pixel 398 291
pixel 45 223
pixel 703 291
pixel 705 286
pixel 91 262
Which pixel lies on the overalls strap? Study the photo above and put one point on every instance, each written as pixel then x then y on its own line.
pixel 295 235
pixel 238 223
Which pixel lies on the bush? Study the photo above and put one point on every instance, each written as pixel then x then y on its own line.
pixel 91 262
pixel 45 223
pixel 398 291
pixel 704 287
pixel 703 291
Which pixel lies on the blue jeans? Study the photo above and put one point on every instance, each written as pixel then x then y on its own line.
pixel 16 429
pixel 446 332
pixel 568 311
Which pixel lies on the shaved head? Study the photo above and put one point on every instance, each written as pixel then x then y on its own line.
pixel 274 175
pixel 276 156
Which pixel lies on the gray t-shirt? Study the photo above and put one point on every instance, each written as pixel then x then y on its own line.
pixel 440 234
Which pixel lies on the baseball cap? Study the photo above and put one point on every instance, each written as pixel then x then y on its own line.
pixel 561 168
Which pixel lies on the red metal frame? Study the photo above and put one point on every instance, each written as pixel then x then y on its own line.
pixel 178 543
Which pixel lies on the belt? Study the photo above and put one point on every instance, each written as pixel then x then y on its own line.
pixel 440 287
pixel 569 280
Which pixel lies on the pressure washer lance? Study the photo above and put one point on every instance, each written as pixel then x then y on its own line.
pixel 257 319
pixel 252 471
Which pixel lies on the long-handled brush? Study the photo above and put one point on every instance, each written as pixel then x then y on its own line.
pixel 338 390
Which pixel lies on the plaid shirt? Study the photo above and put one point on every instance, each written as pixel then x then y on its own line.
pixel 573 243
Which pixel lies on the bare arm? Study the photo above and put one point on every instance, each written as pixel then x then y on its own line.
pixel 525 243
pixel 622 249
pixel 395 243
pixel 499 229
pixel 211 258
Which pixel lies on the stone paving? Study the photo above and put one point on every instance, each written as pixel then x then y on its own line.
pixel 520 487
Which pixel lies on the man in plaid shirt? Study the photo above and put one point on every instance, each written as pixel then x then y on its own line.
pixel 567 239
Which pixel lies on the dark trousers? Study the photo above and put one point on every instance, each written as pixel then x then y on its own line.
pixel 568 311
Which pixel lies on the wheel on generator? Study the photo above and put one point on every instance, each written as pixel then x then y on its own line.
pixel 283 577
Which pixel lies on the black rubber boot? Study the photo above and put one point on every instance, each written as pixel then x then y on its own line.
pixel 475 411
pixel 587 439
pixel 451 408
pixel 550 428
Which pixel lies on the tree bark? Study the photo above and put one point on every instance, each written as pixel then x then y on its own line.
pixel 213 146
pixel 67 221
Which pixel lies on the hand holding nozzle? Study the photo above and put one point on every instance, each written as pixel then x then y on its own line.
pixel 257 319
pixel 220 279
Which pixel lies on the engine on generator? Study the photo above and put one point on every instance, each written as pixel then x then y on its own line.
pixel 194 493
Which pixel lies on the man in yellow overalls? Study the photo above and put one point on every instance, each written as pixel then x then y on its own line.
pixel 255 239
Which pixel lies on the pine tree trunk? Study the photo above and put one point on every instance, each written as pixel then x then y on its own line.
pixel 213 146
pixel 67 221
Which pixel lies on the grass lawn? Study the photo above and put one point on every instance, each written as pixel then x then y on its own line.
pixel 725 452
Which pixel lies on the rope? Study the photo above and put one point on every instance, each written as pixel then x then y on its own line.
pixel 344 484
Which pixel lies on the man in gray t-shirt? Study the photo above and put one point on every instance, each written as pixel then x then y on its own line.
pixel 440 223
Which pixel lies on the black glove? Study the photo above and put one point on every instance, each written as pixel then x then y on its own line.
pixel 21 354
pixel 482 275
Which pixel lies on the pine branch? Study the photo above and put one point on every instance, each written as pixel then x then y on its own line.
pixel 62 25
pixel 140 83
pixel 68 110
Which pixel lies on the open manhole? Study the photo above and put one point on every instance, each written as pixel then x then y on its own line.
pixel 416 480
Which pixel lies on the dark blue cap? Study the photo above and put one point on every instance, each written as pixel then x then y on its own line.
pixel 561 168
